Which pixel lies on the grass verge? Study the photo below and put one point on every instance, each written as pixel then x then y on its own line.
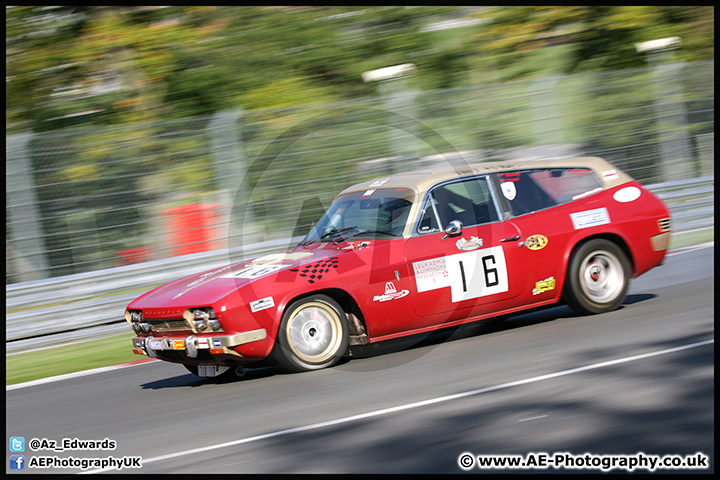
pixel 24 367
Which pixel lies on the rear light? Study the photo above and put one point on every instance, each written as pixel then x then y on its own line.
pixel 660 241
pixel 664 224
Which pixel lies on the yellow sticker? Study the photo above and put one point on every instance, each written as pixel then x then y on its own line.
pixel 178 344
pixel 544 285
pixel 536 242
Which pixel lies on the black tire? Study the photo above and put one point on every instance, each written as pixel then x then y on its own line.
pixel 598 277
pixel 313 334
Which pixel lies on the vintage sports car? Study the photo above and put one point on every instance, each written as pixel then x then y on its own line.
pixel 412 253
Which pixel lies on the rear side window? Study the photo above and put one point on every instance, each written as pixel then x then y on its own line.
pixel 528 191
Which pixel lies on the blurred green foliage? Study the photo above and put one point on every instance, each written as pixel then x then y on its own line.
pixel 141 63
pixel 125 95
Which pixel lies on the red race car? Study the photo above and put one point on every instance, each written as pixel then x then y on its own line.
pixel 412 253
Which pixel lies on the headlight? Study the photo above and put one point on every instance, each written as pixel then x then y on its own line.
pixel 203 319
pixel 136 321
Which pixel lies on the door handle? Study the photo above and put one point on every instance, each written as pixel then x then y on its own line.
pixel 511 239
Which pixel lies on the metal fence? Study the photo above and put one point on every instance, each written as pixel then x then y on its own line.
pixel 86 199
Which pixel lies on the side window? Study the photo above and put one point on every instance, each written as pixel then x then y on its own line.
pixel 568 184
pixel 428 221
pixel 532 190
pixel 469 201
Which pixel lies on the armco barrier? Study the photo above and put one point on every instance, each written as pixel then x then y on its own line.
pixel 61 310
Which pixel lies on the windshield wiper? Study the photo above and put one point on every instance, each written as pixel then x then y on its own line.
pixel 327 234
pixel 362 232
pixel 336 232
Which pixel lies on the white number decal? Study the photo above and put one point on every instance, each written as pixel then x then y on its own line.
pixel 477 273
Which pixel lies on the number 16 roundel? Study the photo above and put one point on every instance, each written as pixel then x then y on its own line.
pixel 477 273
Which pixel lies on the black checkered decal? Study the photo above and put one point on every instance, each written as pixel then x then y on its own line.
pixel 316 271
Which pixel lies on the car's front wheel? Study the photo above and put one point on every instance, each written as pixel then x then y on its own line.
pixel 313 334
pixel 598 277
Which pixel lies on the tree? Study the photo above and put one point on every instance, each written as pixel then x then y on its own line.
pixel 603 37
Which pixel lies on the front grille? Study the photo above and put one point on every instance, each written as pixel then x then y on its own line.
pixel 664 224
pixel 171 325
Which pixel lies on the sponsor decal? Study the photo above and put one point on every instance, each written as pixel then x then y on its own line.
pixel 379 183
pixel 536 242
pixel 627 194
pixel 357 246
pixel 544 285
pixel 368 192
pixel 509 177
pixel 248 272
pixel 205 276
pixel 590 218
pixel 469 275
pixel 471 244
pixel 262 304
pixel 156 344
pixel 589 192
pixel 203 343
pixel 508 190
pixel 255 271
pixel 279 257
pixel 391 293
pixel 178 344
pixel 217 343
pixel 608 175
pixel 315 271
pixel 431 274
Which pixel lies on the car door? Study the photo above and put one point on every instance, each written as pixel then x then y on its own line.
pixel 467 272
pixel 539 202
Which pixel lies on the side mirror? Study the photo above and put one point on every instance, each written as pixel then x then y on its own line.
pixel 454 228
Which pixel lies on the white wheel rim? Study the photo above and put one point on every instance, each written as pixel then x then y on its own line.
pixel 601 276
pixel 313 332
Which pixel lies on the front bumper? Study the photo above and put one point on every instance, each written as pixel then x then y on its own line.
pixel 216 344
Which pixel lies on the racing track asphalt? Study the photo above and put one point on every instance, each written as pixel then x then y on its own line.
pixel 639 379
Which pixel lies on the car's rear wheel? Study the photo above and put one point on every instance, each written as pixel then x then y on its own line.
pixel 598 277
pixel 313 334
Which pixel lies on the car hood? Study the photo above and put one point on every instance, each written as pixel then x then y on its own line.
pixel 212 285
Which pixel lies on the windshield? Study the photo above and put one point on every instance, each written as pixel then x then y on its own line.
pixel 381 212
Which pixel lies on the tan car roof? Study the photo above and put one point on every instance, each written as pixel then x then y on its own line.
pixel 421 180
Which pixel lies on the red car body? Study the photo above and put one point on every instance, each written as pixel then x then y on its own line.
pixel 582 231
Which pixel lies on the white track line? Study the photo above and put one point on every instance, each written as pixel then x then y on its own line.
pixel 67 376
pixel 409 406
